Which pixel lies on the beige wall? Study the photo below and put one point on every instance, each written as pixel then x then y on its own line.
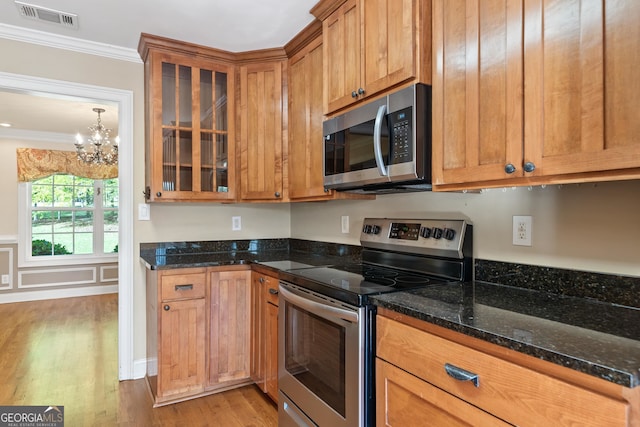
pixel 592 227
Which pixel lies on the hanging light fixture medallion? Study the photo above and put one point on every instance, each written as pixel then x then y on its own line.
pixel 102 150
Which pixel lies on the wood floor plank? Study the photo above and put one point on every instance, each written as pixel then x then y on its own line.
pixel 64 352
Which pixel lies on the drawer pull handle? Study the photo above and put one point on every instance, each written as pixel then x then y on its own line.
pixel 273 291
pixel 184 287
pixel 461 374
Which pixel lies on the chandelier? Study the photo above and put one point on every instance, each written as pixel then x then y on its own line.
pixel 102 150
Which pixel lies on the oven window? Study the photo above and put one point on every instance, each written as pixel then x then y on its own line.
pixel 315 355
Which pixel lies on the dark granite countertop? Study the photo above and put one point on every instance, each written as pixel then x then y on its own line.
pixel 597 338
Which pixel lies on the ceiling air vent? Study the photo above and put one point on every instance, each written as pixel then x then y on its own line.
pixel 39 13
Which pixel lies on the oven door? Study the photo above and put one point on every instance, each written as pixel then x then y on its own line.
pixel 320 359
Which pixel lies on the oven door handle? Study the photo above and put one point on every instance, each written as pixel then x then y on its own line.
pixel 377 141
pixel 319 308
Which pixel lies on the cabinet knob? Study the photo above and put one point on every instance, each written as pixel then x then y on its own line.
pixel 158 194
pixel 360 91
pixel 354 94
pixel 261 280
pixel 166 308
pixel 509 168
pixel 529 167
pixel 273 291
pixel 277 194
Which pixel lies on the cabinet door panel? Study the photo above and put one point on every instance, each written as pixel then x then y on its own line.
pixel 230 326
pixel 181 347
pixel 272 351
pixel 478 93
pixel 342 56
pixel 305 125
pixel 258 330
pixel 389 42
pixel 261 131
pixel 581 92
pixel 188 158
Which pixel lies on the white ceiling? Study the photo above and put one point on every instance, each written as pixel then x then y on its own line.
pixel 232 25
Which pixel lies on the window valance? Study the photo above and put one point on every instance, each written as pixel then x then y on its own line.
pixel 35 164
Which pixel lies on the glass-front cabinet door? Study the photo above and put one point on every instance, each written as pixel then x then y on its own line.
pixel 189 154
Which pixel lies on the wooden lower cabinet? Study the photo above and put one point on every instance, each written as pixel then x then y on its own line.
pixel 198 331
pixel 405 400
pixel 515 388
pixel 271 372
pixel 176 333
pixel 229 327
pixel 264 332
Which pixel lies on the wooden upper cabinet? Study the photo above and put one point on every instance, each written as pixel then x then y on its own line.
pixel 582 92
pixel 305 124
pixel 535 92
pixel 373 45
pixel 261 131
pixel 189 121
pixel 341 34
pixel 477 89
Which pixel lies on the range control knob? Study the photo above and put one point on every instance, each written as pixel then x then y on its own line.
pixel 437 233
pixel 366 229
pixel 425 232
pixel 375 229
pixel 449 234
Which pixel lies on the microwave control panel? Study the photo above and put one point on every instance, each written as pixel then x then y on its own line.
pixel 401 132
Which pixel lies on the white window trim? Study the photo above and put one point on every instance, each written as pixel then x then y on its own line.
pixel 25 259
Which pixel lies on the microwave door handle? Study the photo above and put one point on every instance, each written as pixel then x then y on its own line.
pixel 324 309
pixel 377 143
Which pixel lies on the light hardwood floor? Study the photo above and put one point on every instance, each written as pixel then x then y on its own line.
pixel 64 352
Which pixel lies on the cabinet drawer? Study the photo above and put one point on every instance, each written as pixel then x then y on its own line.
pixel 401 399
pixel 183 286
pixel 514 393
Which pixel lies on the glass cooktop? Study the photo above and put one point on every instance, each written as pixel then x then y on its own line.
pixel 353 283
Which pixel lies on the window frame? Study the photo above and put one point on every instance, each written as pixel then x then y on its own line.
pixel 25 215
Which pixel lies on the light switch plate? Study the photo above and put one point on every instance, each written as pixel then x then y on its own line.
pixel 144 212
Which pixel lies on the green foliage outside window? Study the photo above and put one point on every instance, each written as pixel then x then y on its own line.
pixel 41 247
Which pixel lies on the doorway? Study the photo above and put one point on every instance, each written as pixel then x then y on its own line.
pixel 124 100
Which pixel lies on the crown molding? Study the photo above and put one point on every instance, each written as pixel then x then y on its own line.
pixel 43 38
pixel 33 135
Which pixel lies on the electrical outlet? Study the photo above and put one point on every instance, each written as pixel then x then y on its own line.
pixel 522 230
pixel 144 212
pixel 345 224
pixel 236 223
pixel 5 279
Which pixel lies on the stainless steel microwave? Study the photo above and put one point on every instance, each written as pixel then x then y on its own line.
pixel 383 146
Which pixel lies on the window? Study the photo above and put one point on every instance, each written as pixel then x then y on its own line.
pixel 70 217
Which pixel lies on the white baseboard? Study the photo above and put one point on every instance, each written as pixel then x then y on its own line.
pixel 140 368
pixel 57 293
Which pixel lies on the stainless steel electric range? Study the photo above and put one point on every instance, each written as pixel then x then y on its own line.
pixel 327 322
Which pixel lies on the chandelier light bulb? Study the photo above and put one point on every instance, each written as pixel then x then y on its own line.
pixel 101 150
